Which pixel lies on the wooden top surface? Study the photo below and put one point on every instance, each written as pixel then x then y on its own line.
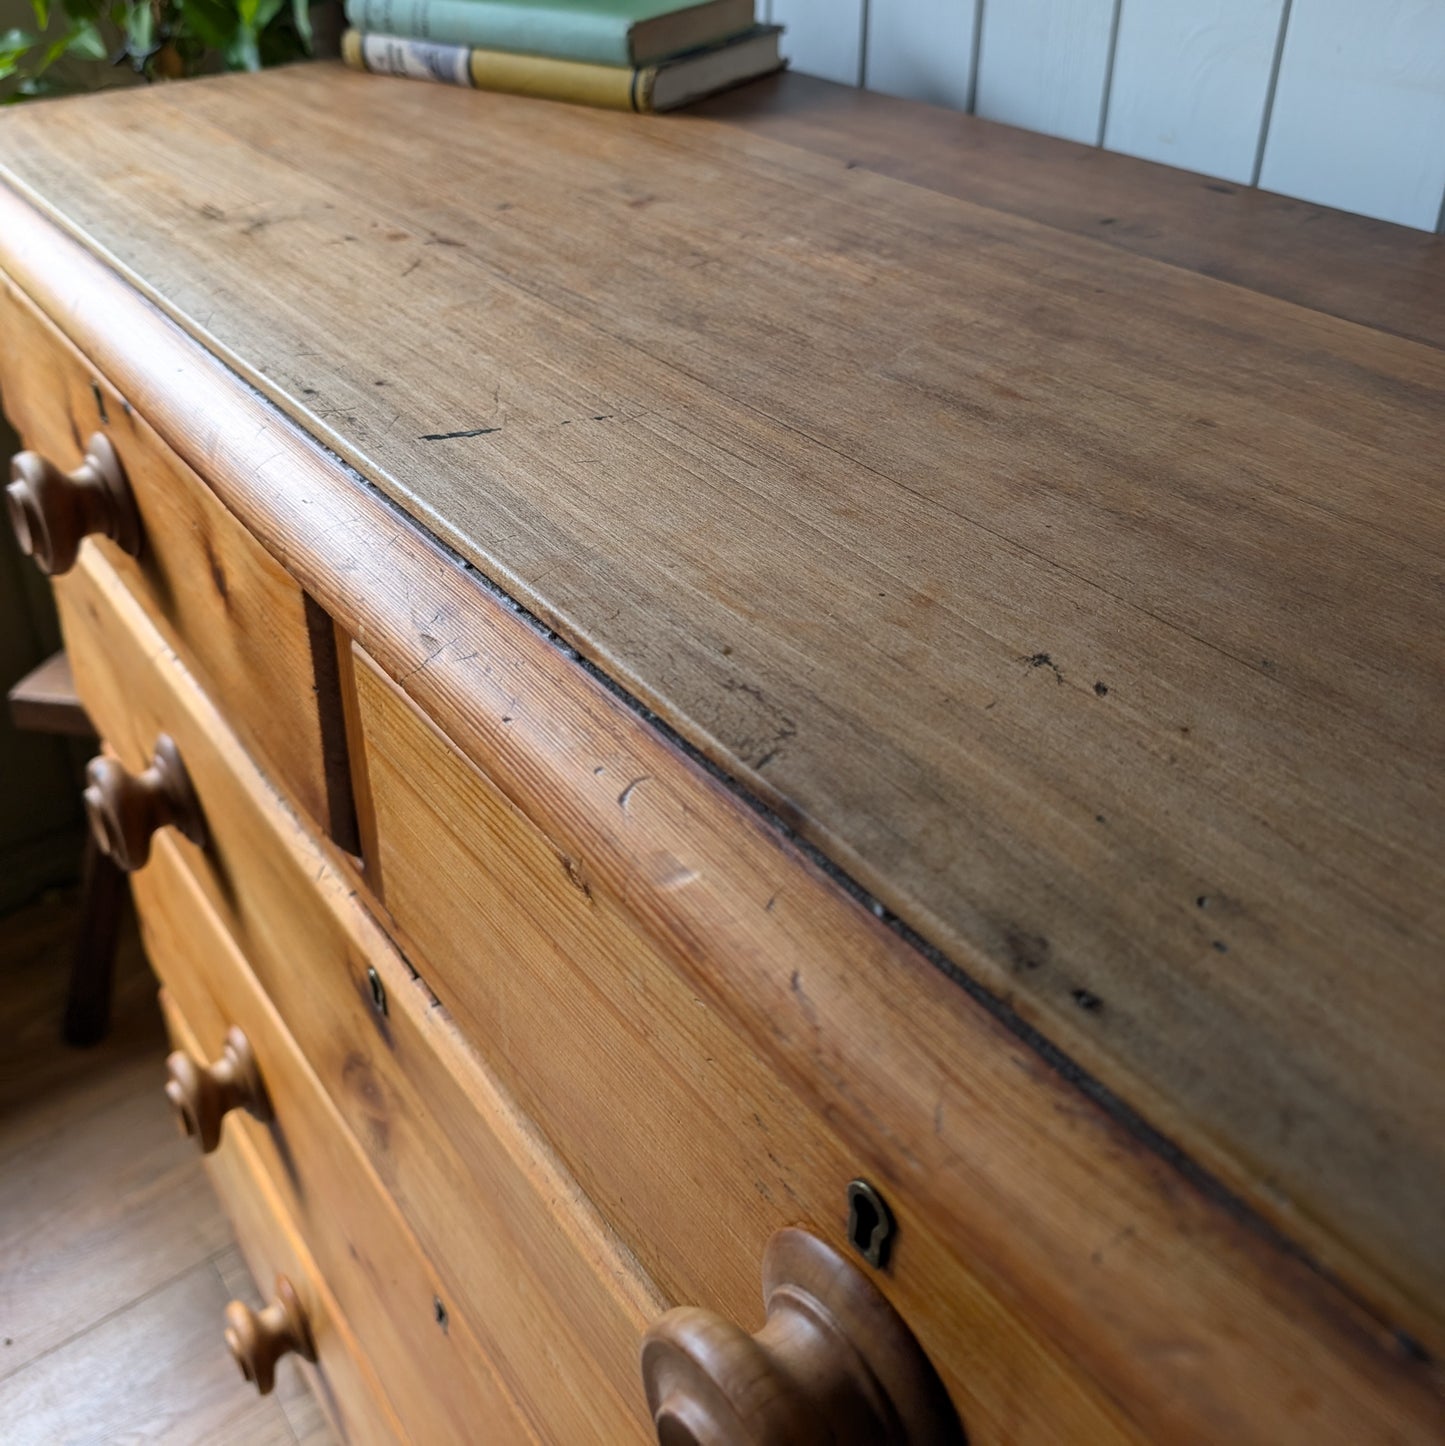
pixel 1355 267
pixel 1084 607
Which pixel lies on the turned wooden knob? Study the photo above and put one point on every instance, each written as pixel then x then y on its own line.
pixel 204 1094
pixel 125 808
pixel 53 512
pixel 258 1339
pixel 833 1366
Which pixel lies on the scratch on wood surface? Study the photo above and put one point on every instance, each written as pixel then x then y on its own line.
pixel 426 661
pixel 671 873
pixel 627 792
pixel 448 436
pixel 800 993
pixel 1043 660
pixel 787 730
pixel 575 876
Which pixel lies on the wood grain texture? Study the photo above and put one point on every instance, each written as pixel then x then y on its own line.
pixel 922 49
pixel 99 1205
pixel 304 1412
pixel 1383 276
pixel 334 535
pixel 834 1365
pixel 367 855
pixel 45 700
pixel 635 1078
pixel 831 1036
pixel 129 1212
pixel 1359 110
pixel 1044 64
pixel 116 1383
pixel 436 1382
pixel 340 1379
pixel 81 1231
pixel 1190 83
pixel 521 1257
pixel 1153 561
pixel 237 616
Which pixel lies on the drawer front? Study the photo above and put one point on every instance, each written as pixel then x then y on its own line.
pixel 340 1377
pixel 435 1377
pixel 691 1147
pixel 248 631
pixel 524 1263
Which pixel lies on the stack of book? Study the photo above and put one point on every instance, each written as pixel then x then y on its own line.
pixel 641 55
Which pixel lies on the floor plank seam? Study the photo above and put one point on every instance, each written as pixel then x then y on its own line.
pixel 100 1321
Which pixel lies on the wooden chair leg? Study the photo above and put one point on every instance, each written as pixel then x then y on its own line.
pixel 92 969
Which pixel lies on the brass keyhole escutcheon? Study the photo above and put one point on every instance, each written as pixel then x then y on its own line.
pixel 870 1224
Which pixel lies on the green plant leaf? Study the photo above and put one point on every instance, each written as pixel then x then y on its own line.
pixel 15 43
pixel 41 8
pixel 33 86
pixel 140 31
pixel 242 53
pixel 212 22
pixel 301 15
pixel 87 42
pixel 52 52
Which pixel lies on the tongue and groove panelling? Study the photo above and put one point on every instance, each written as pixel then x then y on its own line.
pixel 1335 103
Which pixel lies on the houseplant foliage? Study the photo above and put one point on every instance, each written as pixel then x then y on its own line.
pixel 158 39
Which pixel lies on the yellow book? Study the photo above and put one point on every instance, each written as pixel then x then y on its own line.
pixel 661 86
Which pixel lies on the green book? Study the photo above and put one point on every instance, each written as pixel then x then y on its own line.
pixel 600 32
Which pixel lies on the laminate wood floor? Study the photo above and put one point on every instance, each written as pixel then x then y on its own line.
pixel 115 1259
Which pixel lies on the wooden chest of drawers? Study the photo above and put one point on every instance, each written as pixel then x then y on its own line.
pixel 744 761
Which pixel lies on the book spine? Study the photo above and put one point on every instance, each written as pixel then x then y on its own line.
pixel 608 86
pixel 399 55
pixel 543 30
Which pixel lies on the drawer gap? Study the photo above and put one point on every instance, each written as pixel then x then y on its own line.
pixel 340 823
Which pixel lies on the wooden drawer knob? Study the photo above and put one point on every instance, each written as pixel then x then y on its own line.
pixel 53 512
pixel 204 1094
pixel 258 1339
pixel 125 809
pixel 833 1366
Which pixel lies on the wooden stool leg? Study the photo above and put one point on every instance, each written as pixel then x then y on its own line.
pixel 102 896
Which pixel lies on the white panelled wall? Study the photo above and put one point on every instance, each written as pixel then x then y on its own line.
pixel 1339 102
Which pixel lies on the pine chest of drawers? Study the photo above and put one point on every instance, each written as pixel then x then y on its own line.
pixel 775 799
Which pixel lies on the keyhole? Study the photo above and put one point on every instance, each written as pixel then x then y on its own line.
pixel 378 991
pixel 870 1224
